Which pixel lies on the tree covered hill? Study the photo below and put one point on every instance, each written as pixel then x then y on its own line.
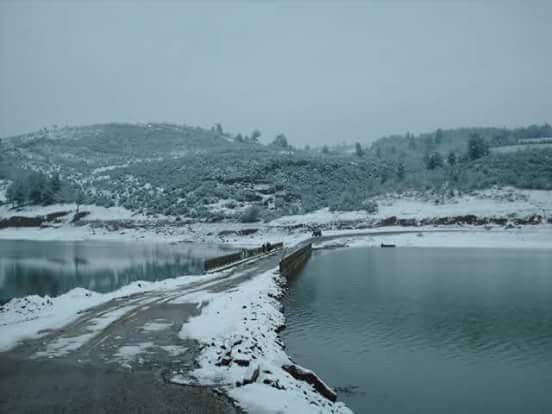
pixel 208 174
pixel 96 146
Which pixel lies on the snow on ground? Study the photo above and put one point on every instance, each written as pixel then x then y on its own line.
pixel 129 353
pixel 29 317
pixel 526 237
pixel 70 232
pixel 156 326
pixel 322 216
pixel 96 212
pixel 109 168
pixel 238 330
pixel 153 231
pixel 63 345
pixel 174 350
pixel 487 203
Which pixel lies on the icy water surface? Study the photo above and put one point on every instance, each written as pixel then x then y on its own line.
pixel 52 268
pixel 417 330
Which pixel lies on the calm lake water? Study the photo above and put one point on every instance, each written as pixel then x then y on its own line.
pixel 52 268
pixel 416 330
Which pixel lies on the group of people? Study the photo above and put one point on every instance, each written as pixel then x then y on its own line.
pixel 265 248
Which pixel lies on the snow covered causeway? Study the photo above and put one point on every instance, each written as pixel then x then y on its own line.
pixel 233 315
pixel 242 351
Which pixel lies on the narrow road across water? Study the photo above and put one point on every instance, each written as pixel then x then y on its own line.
pixel 117 356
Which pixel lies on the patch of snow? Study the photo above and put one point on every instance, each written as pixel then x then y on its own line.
pixel 525 237
pixel 322 216
pixel 63 345
pixel 156 326
pixel 109 168
pixel 96 212
pixel 128 353
pixel 238 330
pixel 487 203
pixel 174 350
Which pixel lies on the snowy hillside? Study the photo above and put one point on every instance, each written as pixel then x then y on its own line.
pixel 188 172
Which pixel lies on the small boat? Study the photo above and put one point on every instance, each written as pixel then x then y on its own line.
pixel 388 245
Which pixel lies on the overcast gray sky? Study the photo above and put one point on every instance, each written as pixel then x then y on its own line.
pixel 321 72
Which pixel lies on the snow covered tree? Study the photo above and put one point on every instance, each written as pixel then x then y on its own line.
pixel 255 135
pixel 251 214
pixel 477 147
pixel 51 191
pixel 400 171
pixel 37 185
pixel 55 183
pixel 16 193
pixel 280 141
pixel 358 150
pixel 451 158
pixel 434 161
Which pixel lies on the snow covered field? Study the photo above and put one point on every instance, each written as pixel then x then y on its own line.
pixel 489 203
pixel 503 203
pixel 96 212
pixel 527 237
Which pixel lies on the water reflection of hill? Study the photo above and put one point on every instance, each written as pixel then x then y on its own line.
pixel 52 268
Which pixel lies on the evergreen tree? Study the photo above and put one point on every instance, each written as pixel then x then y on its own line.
pixel 51 192
pixel 280 141
pixel 477 147
pixel 37 185
pixel 255 135
pixel 79 198
pixel 434 161
pixel 411 141
pixel 16 193
pixel 451 158
pixel 439 136
pixel 401 171
pixel 55 183
pixel 218 128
